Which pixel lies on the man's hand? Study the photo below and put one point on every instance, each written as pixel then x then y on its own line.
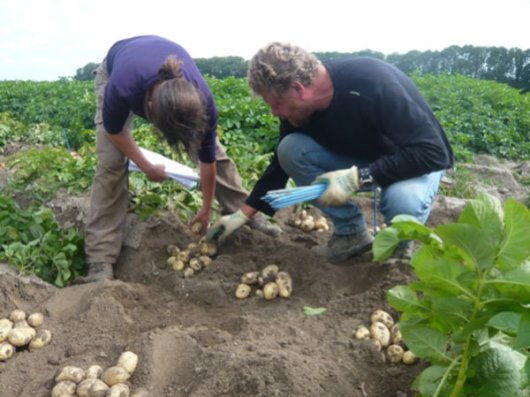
pixel 340 186
pixel 156 172
pixel 226 225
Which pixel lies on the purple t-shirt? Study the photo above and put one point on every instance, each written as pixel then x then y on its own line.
pixel 133 66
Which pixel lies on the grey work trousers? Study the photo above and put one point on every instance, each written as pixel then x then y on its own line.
pixel 109 199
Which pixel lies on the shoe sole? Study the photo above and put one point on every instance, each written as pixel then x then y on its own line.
pixel 339 260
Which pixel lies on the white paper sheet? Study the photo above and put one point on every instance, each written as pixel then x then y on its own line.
pixel 179 172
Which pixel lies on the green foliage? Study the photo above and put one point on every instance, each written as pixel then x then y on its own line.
pixel 32 241
pixel 468 312
pixel 480 116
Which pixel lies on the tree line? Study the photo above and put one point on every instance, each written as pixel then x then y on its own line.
pixel 510 66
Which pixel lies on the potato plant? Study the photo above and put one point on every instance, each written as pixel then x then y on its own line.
pixel 95 381
pixel 20 332
pixel 269 283
pixel 384 332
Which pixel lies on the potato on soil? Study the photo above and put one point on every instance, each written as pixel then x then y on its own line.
pixel 409 358
pixel 119 390
pixel 242 291
pixel 17 315
pixel 285 284
pixel 380 333
pixel 196 228
pixel 178 265
pixel 83 388
pixel 7 350
pixel 64 388
pixel 41 339
pixel 250 278
pixel 205 260
pixel 184 256
pixel 5 327
pixel 394 353
pixel 268 274
pixel 128 361
pixel 114 375
pixel 395 334
pixel 362 333
pixel 208 248
pixel 98 389
pixel 382 317
pixel 71 373
pixel 193 249
pixel 93 372
pixel 270 290
pixel 21 336
pixel 35 319
pixel 195 264
pixel 173 250
pixel 188 272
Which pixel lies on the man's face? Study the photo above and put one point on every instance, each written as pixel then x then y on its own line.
pixel 290 105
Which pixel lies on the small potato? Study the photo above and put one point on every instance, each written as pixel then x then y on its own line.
pixel 362 333
pixel 394 353
pixel 21 336
pixel 114 375
pixel 196 228
pixel 118 390
pixel 268 274
pixel 128 361
pixel 270 290
pixel 71 373
pixel 395 334
pixel 242 291
pixel 178 265
pixel 250 278
pixel 382 317
pixel 17 315
pixel 195 264
pixel 35 319
pixel 285 284
pixel 64 388
pixel 83 388
pixel 307 225
pixel 7 350
pixel 321 224
pixel 6 326
pixel 193 249
pixel 172 250
pixel 208 248
pixel 171 261
pixel 409 358
pixel 188 272
pixel 184 256
pixel 41 339
pixel 205 260
pixel 380 333
pixel 98 389
pixel 93 372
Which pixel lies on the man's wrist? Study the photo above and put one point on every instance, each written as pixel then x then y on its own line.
pixel 366 181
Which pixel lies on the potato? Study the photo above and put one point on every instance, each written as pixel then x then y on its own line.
pixel 382 317
pixel 380 333
pixel 307 225
pixel 268 274
pixel 188 272
pixel 285 284
pixel 118 390
pixel 409 358
pixel 71 373
pixel 114 375
pixel 7 350
pixel 376 343
pixel 395 334
pixel 35 319
pixel 83 388
pixel 321 224
pixel 184 256
pixel 270 290
pixel 21 336
pixel 242 291
pixel 93 372
pixel 128 361
pixel 171 261
pixel 98 389
pixel 41 339
pixel 6 326
pixel 250 278
pixel 195 264
pixel 193 249
pixel 205 260
pixel 208 248
pixel 173 250
pixel 196 228
pixel 178 265
pixel 17 315
pixel 64 388
pixel 394 353
pixel 362 333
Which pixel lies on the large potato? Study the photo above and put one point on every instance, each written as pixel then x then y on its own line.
pixel 114 375
pixel 118 390
pixel 380 333
pixel 128 361
pixel 41 339
pixel 21 336
pixel 7 350
pixel 71 373
pixel 64 388
pixel 285 284
pixel 270 290
pixel 6 326
pixel 382 317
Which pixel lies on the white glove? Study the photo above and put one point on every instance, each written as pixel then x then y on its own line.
pixel 226 225
pixel 341 185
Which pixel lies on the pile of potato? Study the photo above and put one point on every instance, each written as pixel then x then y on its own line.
pixel 308 223
pixel 193 258
pixel 270 283
pixel 97 382
pixel 385 334
pixel 19 331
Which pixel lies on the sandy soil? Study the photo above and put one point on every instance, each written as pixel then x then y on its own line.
pixel 194 338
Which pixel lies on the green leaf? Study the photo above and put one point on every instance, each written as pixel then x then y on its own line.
pixel 442 275
pixel 505 321
pixel 429 380
pixel 404 299
pixel 522 340
pixel 425 341
pixel 385 243
pixel 516 246
pixel 514 283
pixel 314 311
pixel 485 213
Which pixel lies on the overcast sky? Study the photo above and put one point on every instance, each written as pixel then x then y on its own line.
pixel 48 39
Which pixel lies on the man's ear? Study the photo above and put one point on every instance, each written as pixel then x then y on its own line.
pixel 300 89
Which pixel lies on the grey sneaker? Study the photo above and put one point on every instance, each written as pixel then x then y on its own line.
pixel 341 247
pixel 96 272
pixel 259 222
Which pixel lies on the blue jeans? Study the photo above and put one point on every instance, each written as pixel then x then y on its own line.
pixel 303 159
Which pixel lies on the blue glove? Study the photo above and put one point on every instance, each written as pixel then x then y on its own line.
pixel 340 186
pixel 226 225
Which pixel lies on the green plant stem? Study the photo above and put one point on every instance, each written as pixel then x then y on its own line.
pixel 444 378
